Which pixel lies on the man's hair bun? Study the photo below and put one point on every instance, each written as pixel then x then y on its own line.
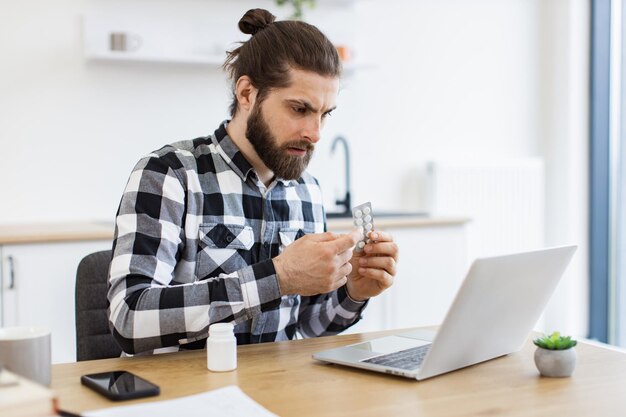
pixel 274 48
pixel 255 20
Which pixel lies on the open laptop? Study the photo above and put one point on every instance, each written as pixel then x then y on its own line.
pixel 493 313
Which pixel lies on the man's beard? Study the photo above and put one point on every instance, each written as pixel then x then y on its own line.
pixel 276 158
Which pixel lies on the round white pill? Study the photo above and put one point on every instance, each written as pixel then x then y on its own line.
pixel 359 222
pixel 358 213
pixel 367 210
pixel 368 226
pixel 360 245
pixel 368 218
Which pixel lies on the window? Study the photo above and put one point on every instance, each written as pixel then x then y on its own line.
pixel 608 173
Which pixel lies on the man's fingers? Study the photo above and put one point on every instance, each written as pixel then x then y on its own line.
pixel 380 275
pixel 345 269
pixel 341 282
pixel 347 241
pixel 380 236
pixel 382 248
pixel 345 256
pixel 386 263
pixel 322 237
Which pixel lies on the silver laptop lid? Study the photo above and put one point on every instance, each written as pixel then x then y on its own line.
pixel 495 309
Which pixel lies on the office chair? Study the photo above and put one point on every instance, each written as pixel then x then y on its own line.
pixel 93 337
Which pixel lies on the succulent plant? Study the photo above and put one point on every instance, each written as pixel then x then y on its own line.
pixel 555 342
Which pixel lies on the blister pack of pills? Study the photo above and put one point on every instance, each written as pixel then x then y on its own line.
pixel 363 219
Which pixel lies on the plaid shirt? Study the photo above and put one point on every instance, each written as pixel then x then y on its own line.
pixel 195 235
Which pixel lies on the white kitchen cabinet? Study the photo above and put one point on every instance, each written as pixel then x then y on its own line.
pixel 38 288
pixel 432 263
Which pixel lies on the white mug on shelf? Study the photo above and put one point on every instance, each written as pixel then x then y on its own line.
pixel 125 42
pixel 26 351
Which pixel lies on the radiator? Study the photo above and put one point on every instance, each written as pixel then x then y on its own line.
pixel 503 198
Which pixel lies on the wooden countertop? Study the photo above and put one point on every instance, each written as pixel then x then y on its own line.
pixel 81 231
pixel 55 232
pixel 399 222
pixel 283 378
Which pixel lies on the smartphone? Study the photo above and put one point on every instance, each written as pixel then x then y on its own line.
pixel 120 385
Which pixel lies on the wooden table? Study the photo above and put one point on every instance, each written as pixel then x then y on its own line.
pixel 287 381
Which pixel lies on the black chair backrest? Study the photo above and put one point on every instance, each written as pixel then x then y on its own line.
pixel 93 337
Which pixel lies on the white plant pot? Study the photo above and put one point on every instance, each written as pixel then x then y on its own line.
pixel 555 363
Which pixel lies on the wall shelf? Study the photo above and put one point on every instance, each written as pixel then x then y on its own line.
pixel 153 40
pixel 213 61
pixel 187 44
pixel 207 60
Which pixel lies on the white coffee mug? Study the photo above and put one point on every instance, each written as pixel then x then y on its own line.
pixel 26 351
pixel 122 41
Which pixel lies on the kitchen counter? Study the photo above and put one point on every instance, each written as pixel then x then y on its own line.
pixel 85 231
pixel 55 232
pixel 392 222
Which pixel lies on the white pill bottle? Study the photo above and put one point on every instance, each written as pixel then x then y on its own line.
pixel 221 348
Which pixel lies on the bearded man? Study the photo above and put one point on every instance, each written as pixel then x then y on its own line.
pixel 230 228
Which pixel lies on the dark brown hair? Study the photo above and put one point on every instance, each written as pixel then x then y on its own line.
pixel 274 48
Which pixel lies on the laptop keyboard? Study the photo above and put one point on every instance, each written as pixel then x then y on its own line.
pixel 408 359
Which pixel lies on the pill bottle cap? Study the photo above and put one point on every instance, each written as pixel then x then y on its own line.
pixel 219 329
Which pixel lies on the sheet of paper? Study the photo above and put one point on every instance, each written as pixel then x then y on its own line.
pixel 223 402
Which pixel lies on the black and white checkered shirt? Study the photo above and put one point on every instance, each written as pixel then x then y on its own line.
pixel 195 235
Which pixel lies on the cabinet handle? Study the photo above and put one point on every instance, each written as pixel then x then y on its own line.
pixel 11 272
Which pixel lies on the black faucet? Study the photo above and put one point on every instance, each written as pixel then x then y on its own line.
pixel 346 203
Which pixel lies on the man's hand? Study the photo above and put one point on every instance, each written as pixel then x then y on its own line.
pixel 315 263
pixel 373 269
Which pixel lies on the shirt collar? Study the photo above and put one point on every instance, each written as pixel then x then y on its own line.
pixel 230 152
pixel 233 156
pixel 288 183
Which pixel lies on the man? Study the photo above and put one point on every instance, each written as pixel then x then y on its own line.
pixel 229 227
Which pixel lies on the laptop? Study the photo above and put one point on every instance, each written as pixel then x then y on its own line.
pixel 494 311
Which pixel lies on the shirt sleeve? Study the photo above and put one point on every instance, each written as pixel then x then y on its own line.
pixel 148 309
pixel 331 313
pixel 328 314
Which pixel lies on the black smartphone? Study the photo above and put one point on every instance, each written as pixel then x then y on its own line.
pixel 120 385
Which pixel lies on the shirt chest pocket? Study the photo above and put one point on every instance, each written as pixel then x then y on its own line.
pixel 290 235
pixel 223 248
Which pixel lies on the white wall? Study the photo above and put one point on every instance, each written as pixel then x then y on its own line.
pixel 451 78
pixel 565 113
pixel 71 130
